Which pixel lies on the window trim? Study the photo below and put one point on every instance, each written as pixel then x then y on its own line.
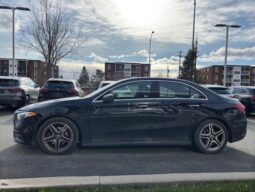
pixel 136 99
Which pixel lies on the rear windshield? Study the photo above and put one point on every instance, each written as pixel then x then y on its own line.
pixel 59 85
pixel 9 82
pixel 220 90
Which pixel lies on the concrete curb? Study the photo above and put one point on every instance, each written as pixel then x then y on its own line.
pixel 121 180
pixel 251 120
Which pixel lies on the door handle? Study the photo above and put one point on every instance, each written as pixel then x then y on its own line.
pixel 142 106
pixel 194 106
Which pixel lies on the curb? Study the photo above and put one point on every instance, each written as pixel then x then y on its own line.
pixel 45 182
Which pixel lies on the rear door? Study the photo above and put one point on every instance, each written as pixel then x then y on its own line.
pixel 180 106
pixel 129 118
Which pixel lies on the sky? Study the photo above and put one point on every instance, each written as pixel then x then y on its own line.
pixel 120 30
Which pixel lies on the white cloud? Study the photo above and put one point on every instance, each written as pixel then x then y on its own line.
pixel 233 55
pixel 96 58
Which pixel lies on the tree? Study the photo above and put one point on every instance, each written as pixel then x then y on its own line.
pixel 51 32
pixel 97 78
pixel 84 77
pixel 188 71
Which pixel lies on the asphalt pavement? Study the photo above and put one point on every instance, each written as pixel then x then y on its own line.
pixel 17 161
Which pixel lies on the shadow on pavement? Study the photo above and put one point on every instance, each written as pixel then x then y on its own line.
pixel 26 162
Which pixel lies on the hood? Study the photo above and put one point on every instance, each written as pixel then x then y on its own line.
pixel 51 103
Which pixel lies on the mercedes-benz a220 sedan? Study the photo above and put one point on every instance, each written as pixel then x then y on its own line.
pixel 139 111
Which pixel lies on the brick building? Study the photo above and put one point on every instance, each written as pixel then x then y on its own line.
pixel 35 69
pixel 237 75
pixel 122 70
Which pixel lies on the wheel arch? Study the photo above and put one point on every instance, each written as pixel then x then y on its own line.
pixel 51 117
pixel 217 119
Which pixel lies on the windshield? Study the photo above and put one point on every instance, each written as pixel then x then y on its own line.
pixel 59 85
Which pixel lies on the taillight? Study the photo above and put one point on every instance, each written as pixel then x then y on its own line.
pixel 17 90
pixel 42 90
pixel 253 97
pixel 240 107
pixel 73 92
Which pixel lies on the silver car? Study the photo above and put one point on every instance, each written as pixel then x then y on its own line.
pixel 16 92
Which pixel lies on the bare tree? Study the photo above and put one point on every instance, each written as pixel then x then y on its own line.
pixel 51 32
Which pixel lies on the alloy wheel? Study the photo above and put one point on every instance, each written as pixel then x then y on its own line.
pixel 212 137
pixel 57 137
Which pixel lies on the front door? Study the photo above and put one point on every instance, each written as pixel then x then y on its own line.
pixel 129 118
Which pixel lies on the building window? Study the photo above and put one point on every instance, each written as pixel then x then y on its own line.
pixel 146 68
pixel 216 77
pixel 216 69
pixel 109 67
pixel 35 72
pixel 119 67
pixel 35 64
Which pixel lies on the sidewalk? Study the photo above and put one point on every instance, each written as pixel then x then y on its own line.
pixel 121 180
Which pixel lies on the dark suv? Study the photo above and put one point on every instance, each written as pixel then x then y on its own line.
pixel 246 95
pixel 60 88
pixel 17 91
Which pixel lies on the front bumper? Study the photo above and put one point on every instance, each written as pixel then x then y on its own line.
pixel 24 130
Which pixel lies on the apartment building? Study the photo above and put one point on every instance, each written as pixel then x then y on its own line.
pixel 35 69
pixel 237 75
pixel 122 70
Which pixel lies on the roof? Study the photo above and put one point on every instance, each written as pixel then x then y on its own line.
pixel 10 77
pixel 229 65
pixel 59 79
pixel 135 63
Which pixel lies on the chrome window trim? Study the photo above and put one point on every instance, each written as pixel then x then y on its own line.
pixel 199 99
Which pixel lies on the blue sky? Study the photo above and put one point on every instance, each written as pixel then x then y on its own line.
pixel 119 30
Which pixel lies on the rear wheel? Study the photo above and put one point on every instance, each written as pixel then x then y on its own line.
pixel 211 137
pixel 57 136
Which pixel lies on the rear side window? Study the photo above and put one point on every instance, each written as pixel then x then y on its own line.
pixel 9 82
pixel 59 85
pixel 252 91
pixel 178 90
pixel 220 90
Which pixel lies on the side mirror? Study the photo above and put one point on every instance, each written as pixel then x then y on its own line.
pixel 37 85
pixel 108 98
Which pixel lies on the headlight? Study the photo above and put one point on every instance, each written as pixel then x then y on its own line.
pixel 24 115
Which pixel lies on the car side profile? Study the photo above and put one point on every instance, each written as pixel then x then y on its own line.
pixel 17 92
pixel 153 111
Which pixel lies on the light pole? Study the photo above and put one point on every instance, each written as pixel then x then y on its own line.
pixel 13 31
pixel 150 47
pixel 194 24
pixel 226 48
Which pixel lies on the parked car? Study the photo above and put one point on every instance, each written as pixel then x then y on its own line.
pixel 246 95
pixel 160 111
pixel 219 89
pixel 17 91
pixel 104 83
pixel 59 88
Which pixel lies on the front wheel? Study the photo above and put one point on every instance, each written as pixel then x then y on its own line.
pixel 211 137
pixel 57 136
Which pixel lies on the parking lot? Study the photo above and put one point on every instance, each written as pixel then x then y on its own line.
pixel 17 161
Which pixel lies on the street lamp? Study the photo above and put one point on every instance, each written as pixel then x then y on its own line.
pixel 13 30
pixel 226 48
pixel 150 47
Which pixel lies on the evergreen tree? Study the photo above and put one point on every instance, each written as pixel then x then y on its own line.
pixel 84 77
pixel 188 71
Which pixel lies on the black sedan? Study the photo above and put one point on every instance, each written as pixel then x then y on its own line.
pixel 139 111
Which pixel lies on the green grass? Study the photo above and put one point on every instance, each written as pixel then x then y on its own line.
pixel 237 186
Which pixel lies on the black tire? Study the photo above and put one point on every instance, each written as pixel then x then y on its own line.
pixel 211 137
pixel 57 136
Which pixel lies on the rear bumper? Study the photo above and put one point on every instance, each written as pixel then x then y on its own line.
pixel 15 101
pixel 238 129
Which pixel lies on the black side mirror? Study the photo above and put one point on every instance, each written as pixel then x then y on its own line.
pixel 108 98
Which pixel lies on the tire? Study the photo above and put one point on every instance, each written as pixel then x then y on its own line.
pixel 211 137
pixel 57 136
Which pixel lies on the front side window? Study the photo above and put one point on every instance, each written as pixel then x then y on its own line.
pixel 133 90
pixel 178 90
